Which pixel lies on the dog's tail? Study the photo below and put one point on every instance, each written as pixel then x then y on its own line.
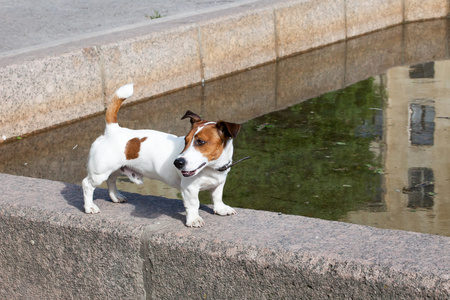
pixel 120 95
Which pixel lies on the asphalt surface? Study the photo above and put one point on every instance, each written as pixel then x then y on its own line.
pixel 30 24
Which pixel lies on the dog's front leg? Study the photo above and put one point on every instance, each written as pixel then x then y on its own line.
pixel 220 208
pixel 192 204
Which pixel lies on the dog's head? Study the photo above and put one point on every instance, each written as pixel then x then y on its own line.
pixel 204 143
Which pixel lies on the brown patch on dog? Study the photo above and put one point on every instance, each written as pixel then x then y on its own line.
pixel 213 141
pixel 212 138
pixel 188 138
pixel 133 147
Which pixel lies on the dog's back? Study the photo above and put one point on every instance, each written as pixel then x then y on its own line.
pixel 147 152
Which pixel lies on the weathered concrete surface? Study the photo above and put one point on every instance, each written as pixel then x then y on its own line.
pixel 141 249
pixel 48 252
pixel 66 58
pixel 366 16
pixel 302 25
pixel 425 9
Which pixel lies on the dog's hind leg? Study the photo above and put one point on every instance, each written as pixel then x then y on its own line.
pixel 134 176
pixel 115 195
pixel 89 184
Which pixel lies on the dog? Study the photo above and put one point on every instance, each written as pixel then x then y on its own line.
pixel 198 161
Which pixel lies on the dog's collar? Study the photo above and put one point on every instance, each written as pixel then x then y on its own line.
pixel 230 164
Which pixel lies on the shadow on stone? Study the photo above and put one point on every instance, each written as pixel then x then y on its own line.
pixel 140 206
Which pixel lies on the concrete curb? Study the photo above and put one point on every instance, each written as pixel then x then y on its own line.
pixel 142 249
pixel 75 79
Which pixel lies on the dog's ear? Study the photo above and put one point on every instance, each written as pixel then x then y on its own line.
pixel 229 129
pixel 194 117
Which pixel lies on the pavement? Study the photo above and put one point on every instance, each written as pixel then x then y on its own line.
pixel 29 25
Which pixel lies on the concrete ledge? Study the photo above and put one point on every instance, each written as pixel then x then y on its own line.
pixel 141 249
pixel 66 87
pixel 48 252
pixel 240 39
pixel 425 9
pixel 303 25
pixel 75 79
pixel 366 16
pixel 162 60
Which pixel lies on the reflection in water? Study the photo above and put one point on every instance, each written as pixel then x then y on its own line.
pixel 422 124
pixel 425 70
pixel 373 153
pixel 417 159
pixel 314 158
pixel 421 191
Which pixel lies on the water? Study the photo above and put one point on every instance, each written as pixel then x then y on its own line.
pixel 320 158
pixel 374 153
pixel 328 138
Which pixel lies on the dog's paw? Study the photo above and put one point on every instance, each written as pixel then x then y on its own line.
pixel 224 210
pixel 91 209
pixel 118 198
pixel 195 222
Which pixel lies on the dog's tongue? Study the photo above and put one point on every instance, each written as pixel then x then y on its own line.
pixel 188 173
pixel 191 173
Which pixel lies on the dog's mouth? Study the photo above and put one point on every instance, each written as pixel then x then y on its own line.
pixel 192 173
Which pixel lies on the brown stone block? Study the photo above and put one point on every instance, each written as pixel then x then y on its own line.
pixel 45 92
pixel 303 25
pixel 157 62
pixel 425 9
pixel 367 16
pixel 235 42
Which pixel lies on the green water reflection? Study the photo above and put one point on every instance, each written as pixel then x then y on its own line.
pixel 313 159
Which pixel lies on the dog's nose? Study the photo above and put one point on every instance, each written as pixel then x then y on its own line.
pixel 179 163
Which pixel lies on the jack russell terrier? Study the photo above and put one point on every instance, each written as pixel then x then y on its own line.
pixel 199 161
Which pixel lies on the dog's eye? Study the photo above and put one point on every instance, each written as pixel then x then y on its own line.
pixel 199 142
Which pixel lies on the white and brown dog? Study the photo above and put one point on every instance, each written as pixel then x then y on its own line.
pixel 198 161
